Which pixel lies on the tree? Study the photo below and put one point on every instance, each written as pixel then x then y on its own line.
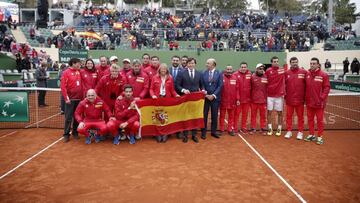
pixel 281 5
pixel 345 12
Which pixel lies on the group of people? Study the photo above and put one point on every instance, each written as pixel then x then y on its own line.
pixel 113 91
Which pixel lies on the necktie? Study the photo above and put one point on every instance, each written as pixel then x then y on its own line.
pixel 210 75
pixel 175 73
pixel 191 74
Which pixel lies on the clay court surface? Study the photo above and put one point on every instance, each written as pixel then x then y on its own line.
pixel 215 170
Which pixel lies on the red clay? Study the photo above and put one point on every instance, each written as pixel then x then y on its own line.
pixel 223 170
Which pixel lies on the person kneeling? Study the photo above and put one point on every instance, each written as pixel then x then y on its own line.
pixel 127 118
pixel 89 115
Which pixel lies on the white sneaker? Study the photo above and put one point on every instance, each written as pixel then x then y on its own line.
pixel 138 137
pixel 299 136
pixel 123 137
pixel 288 134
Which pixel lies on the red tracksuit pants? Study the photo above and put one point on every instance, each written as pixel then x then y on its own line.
pixel 132 128
pixel 100 126
pixel 244 109
pixel 262 110
pixel 299 113
pixel 230 125
pixel 319 113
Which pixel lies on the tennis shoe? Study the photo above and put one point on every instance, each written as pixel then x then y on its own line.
pixel 288 135
pixel 88 140
pixel 278 132
pixel 320 141
pixel 269 132
pixel 310 138
pixel 299 135
pixel 116 140
pixel 132 139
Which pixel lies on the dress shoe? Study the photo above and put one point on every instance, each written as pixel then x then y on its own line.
pixel 232 133
pixel 195 139
pixel 178 135
pixel 215 135
pixel 185 139
pixel 203 136
pixel 158 138
pixel 66 138
pixel 76 136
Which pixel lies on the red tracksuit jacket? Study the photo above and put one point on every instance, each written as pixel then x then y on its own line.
pixel 140 83
pixel 102 71
pixel 295 86
pixel 71 85
pixel 276 82
pixel 317 89
pixel 244 86
pixel 151 72
pixel 87 111
pixel 156 84
pixel 109 89
pixel 123 114
pixel 258 89
pixel 89 79
pixel 228 100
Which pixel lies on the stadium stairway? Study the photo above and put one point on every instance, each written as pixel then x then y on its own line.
pixel 19 36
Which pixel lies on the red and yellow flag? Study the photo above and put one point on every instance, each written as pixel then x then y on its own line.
pixel 117 26
pixel 165 116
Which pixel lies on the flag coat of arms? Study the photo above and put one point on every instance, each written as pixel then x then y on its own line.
pixel 165 116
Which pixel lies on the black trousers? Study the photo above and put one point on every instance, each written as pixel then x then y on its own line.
pixel 69 118
pixel 214 106
pixel 41 97
pixel 62 103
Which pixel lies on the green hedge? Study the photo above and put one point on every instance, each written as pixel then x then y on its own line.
pixel 7 62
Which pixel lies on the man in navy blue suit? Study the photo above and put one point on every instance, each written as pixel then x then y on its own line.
pixel 175 70
pixel 212 83
pixel 189 81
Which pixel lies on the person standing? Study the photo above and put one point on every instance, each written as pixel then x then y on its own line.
pixel 275 94
pixel 212 83
pixel 317 91
pixel 295 97
pixel 175 68
pixel 103 68
pixel 71 89
pixel 146 61
pixel 346 64
pixel 327 65
pixel 139 81
pixel 258 98
pixel 243 97
pixel 162 85
pixel 189 81
pixel 355 66
pixel 89 115
pixel 89 76
pixel 228 101
pixel 153 69
pixel 41 81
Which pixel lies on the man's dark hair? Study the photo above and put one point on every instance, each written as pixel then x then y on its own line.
pixel 155 57
pixel 274 57
pixel 191 59
pixel 73 61
pixel 127 86
pixel 293 59
pixel 146 54
pixel 243 63
pixel 184 56
pixel 175 56
pixel 315 59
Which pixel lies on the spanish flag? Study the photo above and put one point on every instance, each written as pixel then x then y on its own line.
pixel 117 26
pixel 165 116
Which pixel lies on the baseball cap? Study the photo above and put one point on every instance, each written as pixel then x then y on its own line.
pixel 113 58
pixel 126 60
pixel 259 65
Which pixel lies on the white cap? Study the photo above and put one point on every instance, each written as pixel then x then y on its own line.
pixel 113 58
pixel 259 64
pixel 126 60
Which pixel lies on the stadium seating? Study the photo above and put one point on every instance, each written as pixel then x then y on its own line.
pixel 352 78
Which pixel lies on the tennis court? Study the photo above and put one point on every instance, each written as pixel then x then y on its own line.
pixel 37 166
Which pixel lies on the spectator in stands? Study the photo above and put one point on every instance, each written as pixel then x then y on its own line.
pixel 41 81
pixel 327 65
pixel 317 91
pixel 18 61
pixel 71 89
pixel 89 115
pixel 346 64
pixel 55 66
pixel 355 66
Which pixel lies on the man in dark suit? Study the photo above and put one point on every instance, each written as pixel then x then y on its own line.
pixel 174 72
pixel 212 83
pixel 189 81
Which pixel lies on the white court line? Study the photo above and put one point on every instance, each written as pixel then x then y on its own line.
pixel 43 120
pixel 273 170
pixel 9 134
pixel 343 107
pixel 343 117
pixel 29 159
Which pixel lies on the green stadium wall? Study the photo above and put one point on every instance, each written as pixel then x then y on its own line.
pixel 222 58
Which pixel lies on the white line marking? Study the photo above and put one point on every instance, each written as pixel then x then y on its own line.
pixel 43 120
pixel 9 134
pixel 343 108
pixel 273 170
pixel 343 117
pixel 29 159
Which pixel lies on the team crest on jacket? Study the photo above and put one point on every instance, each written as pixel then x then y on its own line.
pixel 160 117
